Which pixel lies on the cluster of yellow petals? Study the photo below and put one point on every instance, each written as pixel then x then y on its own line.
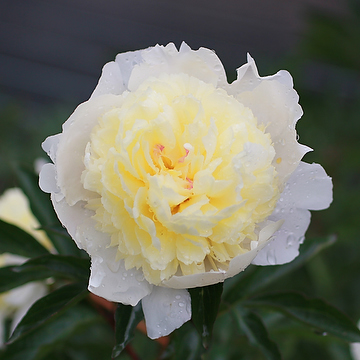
pixel 182 175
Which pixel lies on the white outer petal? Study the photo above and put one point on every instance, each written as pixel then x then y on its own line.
pixel 274 102
pixel 308 188
pixel 47 179
pixel 237 264
pixel 50 145
pixel 72 144
pixel 165 310
pixel 110 82
pixel 109 278
pixel 202 63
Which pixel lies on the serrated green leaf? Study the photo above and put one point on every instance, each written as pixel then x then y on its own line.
pixel 314 312
pixel 43 210
pixel 126 319
pixel 262 276
pixel 17 241
pixel 256 332
pixel 48 307
pixel 39 343
pixel 205 303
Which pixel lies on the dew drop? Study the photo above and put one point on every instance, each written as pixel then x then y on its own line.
pixel 177 297
pixel 290 240
pixel 181 304
pixel 270 256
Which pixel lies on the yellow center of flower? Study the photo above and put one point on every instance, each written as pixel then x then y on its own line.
pixel 182 175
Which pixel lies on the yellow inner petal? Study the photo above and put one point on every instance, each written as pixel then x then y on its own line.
pixel 183 176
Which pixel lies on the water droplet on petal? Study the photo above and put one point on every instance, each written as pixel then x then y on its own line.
pixel 290 240
pixel 181 304
pixel 270 256
pixel 177 297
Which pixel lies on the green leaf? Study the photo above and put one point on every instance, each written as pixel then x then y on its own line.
pixel 205 303
pixel 17 241
pixel 262 276
pixel 11 278
pixel 43 210
pixel 45 339
pixel 43 267
pixel 185 344
pixel 39 201
pixel 48 307
pixel 126 319
pixel 256 332
pixel 61 265
pixel 314 312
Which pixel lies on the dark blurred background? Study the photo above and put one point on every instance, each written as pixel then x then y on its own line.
pixel 52 52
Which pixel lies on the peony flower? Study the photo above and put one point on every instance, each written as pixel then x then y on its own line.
pixel 171 178
pixel 15 303
pixel 15 209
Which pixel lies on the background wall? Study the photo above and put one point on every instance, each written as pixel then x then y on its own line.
pixel 54 50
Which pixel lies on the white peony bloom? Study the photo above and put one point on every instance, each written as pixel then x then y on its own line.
pixel 15 209
pixel 171 178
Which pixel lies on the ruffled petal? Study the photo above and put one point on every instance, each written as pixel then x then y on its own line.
pixel 274 102
pixel 47 179
pixel 109 277
pixel 308 188
pixel 237 264
pixel 110 82
pixel 202 64
pixel 72 144
pixel 166 310
pixel 50 146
